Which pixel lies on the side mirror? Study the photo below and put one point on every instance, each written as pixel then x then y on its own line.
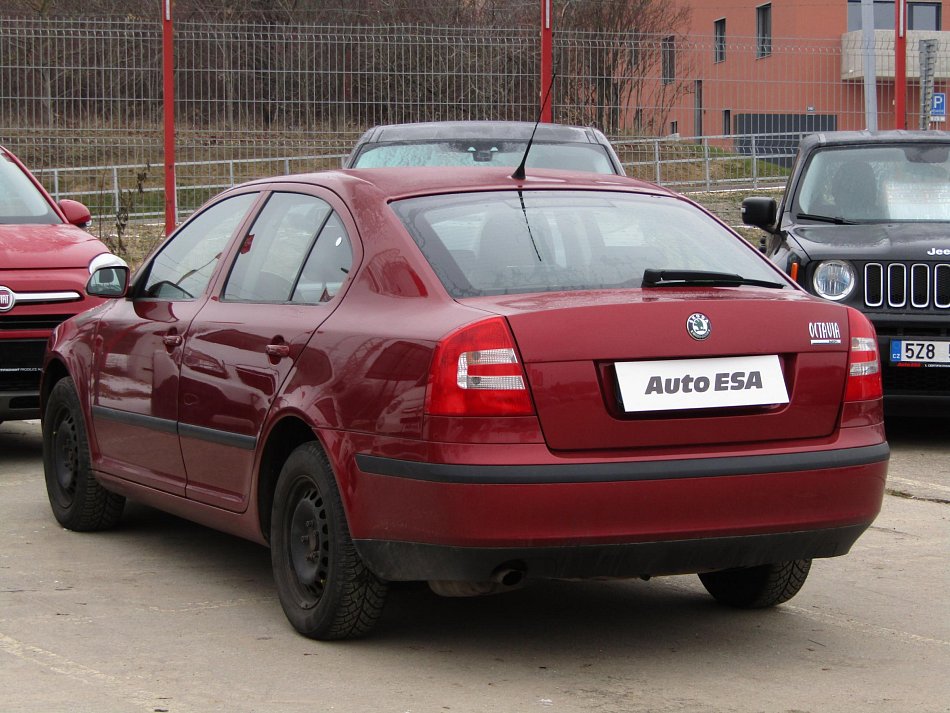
pixel 760 212
pixel 76 213
pixel 111 282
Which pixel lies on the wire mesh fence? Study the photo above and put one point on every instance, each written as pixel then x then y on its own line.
pixel 81 101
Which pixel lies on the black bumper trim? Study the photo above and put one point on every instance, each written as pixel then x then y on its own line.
pixel 413 561
pixel 625 470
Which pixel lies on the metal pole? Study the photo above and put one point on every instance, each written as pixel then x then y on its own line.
pixel 168 101
pixel 116 194
pixel 870 69
pixel 547 59
pixel 900 64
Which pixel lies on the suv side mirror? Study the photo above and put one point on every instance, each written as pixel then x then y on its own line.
pixel 76 213
pixel 109 282
pixel 760 212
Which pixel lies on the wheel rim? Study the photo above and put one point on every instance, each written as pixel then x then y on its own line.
pixel 65 457
pixel 308 537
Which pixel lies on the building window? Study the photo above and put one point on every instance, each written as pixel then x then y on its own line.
pixel 883 15
pixel 763 30
pixel 668 51
pixel 923 16
pixel 920 15
pixel 719 32
pixel 675 128
pixel 727 122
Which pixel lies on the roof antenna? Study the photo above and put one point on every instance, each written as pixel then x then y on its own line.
pixel 519 172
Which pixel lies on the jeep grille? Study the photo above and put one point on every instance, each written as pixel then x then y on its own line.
pixel 897 285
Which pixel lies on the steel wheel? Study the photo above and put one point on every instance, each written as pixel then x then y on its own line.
pixel 323 585
pixel 77 499
pixel 309 542
pixel 65 457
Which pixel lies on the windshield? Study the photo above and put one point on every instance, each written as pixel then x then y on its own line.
pixel 509 242
pixel 592 158
pixel 878 183
pixel 20 202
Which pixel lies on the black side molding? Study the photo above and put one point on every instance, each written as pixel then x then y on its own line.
pixel 625 470
pixel 167 425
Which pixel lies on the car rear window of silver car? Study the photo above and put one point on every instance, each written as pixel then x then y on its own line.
pixel 510 242
pixel 20 202
pixel 591 158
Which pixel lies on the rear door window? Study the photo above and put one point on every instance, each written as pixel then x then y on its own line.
pixel 297 251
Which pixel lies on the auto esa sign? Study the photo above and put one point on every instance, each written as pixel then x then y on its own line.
pixel 679 384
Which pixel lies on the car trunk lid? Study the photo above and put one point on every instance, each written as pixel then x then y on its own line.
pixel 620 369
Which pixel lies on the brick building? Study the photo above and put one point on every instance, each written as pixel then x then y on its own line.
pixel 753 67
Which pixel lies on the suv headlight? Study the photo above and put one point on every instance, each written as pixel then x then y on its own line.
pixel 834 280
pixel 105 260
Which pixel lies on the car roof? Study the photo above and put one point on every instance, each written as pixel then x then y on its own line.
pixel 514 130
pixel 859 138
pixel 407 181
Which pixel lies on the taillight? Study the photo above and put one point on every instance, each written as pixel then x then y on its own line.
pixel 476 371
pixel 864 365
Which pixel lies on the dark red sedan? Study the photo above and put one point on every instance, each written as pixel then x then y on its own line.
pixel 456 376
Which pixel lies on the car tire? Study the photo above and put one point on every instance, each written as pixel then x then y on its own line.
pixel 757 587
pixel 77 499
pixel 324 588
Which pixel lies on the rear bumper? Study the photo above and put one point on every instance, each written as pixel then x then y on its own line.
pixel 413 520
pixel 410 561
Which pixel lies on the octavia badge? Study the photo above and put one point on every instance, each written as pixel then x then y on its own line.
pixel 698 326
pixel 7 299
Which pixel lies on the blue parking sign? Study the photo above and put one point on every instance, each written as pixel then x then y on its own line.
pixel 938 106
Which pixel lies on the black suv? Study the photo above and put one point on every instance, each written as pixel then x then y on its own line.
pixel 485 143
pixel 865 221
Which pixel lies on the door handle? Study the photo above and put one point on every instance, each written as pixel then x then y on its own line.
pixel 172 340
pixel 277 351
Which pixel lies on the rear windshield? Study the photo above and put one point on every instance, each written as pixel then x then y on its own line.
pixel 878 183
pixel 510 242
pixel 20 202
pixel 591 158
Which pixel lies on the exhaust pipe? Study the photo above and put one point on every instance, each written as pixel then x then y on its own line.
pixel 508 576
pixel 505 578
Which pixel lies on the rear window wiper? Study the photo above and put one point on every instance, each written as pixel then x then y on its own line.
pixel 837 220
pixel 699 278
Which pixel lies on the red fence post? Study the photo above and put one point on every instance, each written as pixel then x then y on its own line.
pixel 547 59
pixel 168 102
pixel 900 64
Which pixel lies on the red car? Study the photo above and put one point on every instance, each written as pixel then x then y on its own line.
pixel 45 260
pixel 473 380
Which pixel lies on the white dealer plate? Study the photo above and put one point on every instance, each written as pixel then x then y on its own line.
pixel 701 383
